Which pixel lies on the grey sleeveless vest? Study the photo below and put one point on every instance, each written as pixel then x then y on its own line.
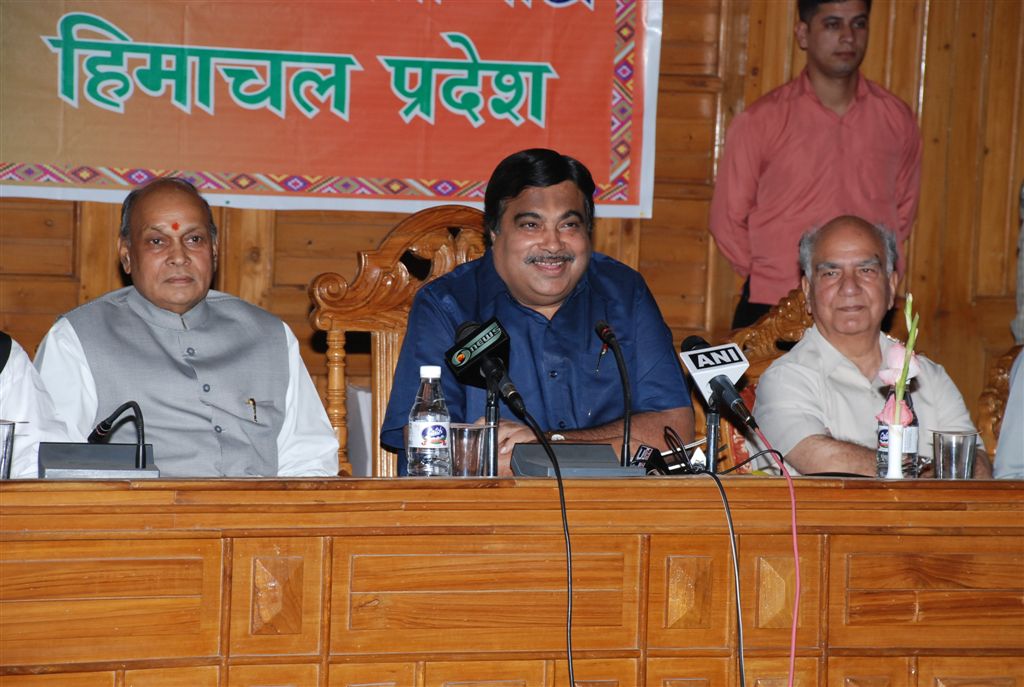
pixel 211 383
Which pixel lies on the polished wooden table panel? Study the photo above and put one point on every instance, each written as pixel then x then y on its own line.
pixel 438 582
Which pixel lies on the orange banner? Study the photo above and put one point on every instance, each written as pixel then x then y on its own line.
pixel 385 105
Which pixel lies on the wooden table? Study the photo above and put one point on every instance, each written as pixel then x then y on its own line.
pixel 441 582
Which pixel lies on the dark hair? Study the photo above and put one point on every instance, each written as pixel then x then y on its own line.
pixel 808 8
pixel 178 183
pixel 540 168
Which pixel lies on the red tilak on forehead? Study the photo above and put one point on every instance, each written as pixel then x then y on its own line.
pixel 175 226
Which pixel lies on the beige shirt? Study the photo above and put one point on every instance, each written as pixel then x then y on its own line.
pixel 815 389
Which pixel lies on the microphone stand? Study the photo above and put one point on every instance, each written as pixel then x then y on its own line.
pixel 627 399
pixel 491 418
pixel 711 431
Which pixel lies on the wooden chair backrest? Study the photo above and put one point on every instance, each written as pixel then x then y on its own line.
pixel 992 403
pixel 785 322
pixel 378 301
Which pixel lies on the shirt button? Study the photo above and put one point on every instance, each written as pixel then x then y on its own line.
pixel 190 350
pixel 561 424
pixel 206 387
pixel 218 429
pixel 553 374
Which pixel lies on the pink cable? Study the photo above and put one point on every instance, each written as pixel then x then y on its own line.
pixel 796 554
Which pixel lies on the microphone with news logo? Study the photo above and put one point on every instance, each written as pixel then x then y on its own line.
pixel 715 370
pixel 480 358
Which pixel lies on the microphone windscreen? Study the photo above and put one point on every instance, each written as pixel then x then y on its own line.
pixel 692 343
pixel 465 329
pixel 604 332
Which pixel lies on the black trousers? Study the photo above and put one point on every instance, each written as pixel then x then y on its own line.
pixel 748 313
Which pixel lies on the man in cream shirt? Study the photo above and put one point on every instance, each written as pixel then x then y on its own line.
pixel 817 404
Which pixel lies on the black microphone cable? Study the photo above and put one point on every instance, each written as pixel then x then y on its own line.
pixel 675 443
pixel 539 433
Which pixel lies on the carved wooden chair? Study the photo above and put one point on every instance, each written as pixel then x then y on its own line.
pixel 763 342
pixel 992 403
pixel 378 300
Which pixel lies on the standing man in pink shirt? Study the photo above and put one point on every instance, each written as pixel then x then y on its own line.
pixel 828 143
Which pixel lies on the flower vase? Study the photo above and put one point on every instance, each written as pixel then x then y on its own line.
pixel 895 467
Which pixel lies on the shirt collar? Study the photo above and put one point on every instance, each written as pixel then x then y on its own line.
pixel 165 319
pixel 835 364
pixel 807 89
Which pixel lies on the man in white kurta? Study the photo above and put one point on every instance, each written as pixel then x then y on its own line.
pixel 220 382
pixel 817 404
pixel 23 399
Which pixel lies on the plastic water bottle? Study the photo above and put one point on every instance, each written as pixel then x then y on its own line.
pixel 428 451
pixel 911 465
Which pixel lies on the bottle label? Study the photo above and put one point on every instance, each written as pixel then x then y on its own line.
pixel 431 434
pixel 883 437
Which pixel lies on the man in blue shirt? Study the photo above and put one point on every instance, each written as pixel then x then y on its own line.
pixel 548 289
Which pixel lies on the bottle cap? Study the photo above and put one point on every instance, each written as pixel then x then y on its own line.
pixel 430 371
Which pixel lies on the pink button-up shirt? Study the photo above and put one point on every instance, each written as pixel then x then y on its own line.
pixel 791 164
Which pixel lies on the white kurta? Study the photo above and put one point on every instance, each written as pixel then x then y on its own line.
pixel 23 399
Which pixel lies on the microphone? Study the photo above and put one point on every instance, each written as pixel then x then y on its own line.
pixel 102 431
pixel 716 369
pixel 607 336
pixel 480 358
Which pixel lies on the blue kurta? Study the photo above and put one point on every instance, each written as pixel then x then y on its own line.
pixel 553 363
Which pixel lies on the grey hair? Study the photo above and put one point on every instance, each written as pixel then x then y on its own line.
pixel 809 241
pixel 180 184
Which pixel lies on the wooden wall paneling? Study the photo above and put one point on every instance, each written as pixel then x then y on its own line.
pixel 608 672
pixel 618 238
pixel 1001 171
pixel 964 192
pixel 523 673
pixel 376 674
pixel 276 596
pixel 469 594
pixel 967 592
pixel 768 586
pixel 98 267
pixel 734 72
pixel 976 672
pixel 690 37
pixel 246 254
pixel 691 672
pixel 771 48
pixel 927 269
pixel 690 602
pixel 38 270
pixel 769 672
pixel 303 675
pixel 195 676
pixel 108 600
pixel 105 678
pixel 688 112
pixel 673 260
pixel 871 672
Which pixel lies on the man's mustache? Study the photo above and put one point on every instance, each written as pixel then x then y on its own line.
pixel 550 257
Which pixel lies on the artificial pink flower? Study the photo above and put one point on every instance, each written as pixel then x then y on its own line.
pixel 892 367
pixel 886 416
